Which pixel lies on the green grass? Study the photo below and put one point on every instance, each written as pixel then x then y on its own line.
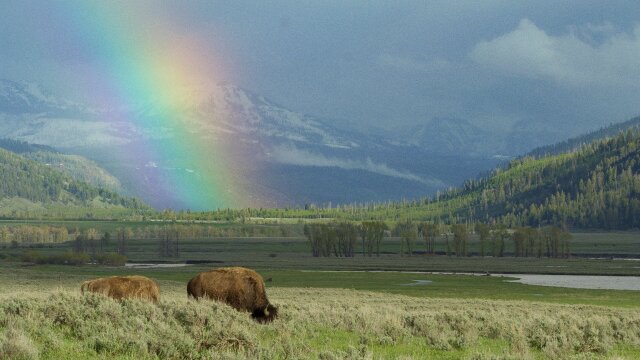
pixel 452 286
pixel 349 343
pixel 442 286
pixel 612 243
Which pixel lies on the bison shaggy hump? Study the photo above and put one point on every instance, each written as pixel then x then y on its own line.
pixel 124 287
pixel 241 288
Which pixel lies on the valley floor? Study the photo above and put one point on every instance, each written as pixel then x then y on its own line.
pixel 378 307
pixel 337 315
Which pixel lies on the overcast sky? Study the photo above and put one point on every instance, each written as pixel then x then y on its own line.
pixel 575 65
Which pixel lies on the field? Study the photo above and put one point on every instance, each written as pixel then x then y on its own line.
pixel 44 315
pixel 331 308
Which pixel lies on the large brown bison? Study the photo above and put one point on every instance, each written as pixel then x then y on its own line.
pixel 121 287
pixel 241 288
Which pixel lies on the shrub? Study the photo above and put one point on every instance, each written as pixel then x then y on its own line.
pixel 31 256
pixel 17 346
pixel 178 328
pixel 68 258
pixel 111 259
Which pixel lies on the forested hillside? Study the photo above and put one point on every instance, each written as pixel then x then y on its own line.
pixel 595 186
pixel 23 181
pixel 21 147
pixel 78 167
pixel 576 142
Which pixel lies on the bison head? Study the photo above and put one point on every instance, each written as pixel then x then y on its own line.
pixel 265 315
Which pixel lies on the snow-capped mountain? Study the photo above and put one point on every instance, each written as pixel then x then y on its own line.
pixel 447 136
pixel 28 98
pixel 302 158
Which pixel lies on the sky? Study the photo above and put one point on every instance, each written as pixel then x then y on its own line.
pixel 573 65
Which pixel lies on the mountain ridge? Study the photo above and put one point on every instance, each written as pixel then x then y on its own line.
pixel 276 138
pixel 573 143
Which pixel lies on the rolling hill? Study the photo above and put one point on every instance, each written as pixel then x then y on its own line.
pixel 31 189
pixel 79 167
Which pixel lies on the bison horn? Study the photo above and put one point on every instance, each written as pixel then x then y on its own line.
pixel 266 311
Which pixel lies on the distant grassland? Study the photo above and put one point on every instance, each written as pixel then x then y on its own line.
pixel 583 243
pixel 293 252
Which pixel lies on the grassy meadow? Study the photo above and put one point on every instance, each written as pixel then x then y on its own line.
pixel 331 308
pixel 44 316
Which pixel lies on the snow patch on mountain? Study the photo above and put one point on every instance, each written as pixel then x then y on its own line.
pixel 298 146
pixel 60 132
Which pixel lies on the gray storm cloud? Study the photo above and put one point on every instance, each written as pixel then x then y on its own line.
pixel 569 59
pixel 411 64
pixel 390 65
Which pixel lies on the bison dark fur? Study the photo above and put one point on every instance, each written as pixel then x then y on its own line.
pixel 241 288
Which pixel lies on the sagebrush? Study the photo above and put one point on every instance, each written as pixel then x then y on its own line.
pixel 179 328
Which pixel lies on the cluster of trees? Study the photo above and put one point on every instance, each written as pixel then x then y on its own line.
pixel 372 233
pixel 407 231
pixel 68 258
pixel 332 239
pixel 550 241
pixel 88 245
pixel 200 231
pixel 168 238
pixel 340 239
pixel 74 258
pixel 28 234
pixel 90 241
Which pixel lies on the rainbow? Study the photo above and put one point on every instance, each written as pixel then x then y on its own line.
pixel 143 58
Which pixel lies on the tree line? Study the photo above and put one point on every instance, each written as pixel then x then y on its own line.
pixel 341 239
pixel 27 234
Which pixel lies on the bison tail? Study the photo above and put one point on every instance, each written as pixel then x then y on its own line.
pixel 191 289
pixel 84 287
pixel 265 315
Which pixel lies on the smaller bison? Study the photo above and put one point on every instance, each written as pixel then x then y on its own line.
pixel 241 288
pixel 124 287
